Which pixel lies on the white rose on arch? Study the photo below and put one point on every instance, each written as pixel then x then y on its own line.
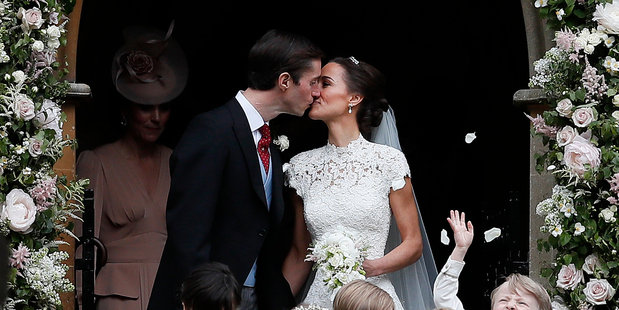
pixel 20 210
pixel 49 117
pixel 607 16
pixel 591 263
pixel 564 107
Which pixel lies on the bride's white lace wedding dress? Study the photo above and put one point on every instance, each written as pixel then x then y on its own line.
pixel 348 187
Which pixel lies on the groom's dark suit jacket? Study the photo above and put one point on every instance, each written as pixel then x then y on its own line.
pixel 217 211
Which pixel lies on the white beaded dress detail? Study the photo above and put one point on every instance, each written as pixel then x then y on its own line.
pixel 348 187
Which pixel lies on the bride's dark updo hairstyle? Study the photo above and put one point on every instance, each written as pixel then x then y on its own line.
pixel 363 78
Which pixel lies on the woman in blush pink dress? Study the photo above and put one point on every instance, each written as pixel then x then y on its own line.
pixel 131 177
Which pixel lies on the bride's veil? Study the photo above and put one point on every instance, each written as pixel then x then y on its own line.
pixel 414 283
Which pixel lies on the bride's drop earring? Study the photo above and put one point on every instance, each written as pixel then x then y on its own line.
pixel 349 108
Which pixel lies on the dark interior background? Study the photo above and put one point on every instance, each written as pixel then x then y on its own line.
pixel 452 68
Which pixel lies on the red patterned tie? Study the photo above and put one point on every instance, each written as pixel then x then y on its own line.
pixel 263 146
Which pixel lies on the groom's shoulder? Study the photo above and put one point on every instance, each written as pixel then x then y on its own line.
pixel 217 116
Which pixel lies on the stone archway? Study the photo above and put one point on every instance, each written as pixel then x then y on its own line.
pixel 539 40
pixel 77 93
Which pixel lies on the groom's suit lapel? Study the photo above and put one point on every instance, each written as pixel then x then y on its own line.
pixel 246 141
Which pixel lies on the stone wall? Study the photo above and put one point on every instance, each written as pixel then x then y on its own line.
pixel 539 40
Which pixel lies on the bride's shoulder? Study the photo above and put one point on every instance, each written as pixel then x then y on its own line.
pixel 386 151
pixel 304 157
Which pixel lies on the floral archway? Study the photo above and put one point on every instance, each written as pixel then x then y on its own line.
pixel 580 77
pixel 36 203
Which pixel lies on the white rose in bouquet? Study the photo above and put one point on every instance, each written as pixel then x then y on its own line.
pixel 598 291
pixel 20 210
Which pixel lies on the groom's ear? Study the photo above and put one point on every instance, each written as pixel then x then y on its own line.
pixel 284 80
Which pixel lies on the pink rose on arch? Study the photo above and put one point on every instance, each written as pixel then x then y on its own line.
pixel 566 135
pixel 580 153
pixel 582 117
pixel 598 291
pixel 31 19
pixel 569 277
pixel 24 107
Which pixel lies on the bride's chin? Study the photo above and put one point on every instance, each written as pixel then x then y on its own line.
pixel 313 117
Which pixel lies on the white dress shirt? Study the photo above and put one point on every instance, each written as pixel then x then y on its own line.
pixel 446 286
pixel 255 122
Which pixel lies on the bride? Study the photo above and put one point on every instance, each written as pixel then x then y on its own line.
pixel 352 184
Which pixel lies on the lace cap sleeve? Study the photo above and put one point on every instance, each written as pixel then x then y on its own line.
pixel 398 169
pixel 293 177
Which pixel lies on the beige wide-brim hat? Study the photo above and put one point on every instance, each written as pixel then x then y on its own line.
pixel 150 68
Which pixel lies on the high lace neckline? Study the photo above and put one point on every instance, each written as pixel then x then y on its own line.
pixel 352 145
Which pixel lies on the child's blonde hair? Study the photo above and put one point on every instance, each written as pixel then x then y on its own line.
pixel 362 295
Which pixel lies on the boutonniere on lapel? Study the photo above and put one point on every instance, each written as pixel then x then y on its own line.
pixel 283 142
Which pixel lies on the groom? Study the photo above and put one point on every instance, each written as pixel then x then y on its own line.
pixel 225 202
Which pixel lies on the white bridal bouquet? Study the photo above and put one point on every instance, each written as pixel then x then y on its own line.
pixel 339 259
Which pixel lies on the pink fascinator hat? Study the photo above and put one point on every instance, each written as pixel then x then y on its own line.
pixel 150 68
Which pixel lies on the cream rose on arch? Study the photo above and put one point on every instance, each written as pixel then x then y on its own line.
pixel 31 19
pixel 598 291
pixel 579 153
pixel 24 107
pixel 20 210
pixel 582 117
pixel 569 277
pixel 566 135
pixel 564 107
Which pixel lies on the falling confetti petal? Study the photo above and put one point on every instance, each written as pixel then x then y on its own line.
pixel 444 238
pixel 492 234
pixel 551 167
pixel 470 137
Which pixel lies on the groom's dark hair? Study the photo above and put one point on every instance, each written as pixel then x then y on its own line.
pixel 277 52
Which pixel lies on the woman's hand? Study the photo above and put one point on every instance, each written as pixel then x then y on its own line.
pixel 371 268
